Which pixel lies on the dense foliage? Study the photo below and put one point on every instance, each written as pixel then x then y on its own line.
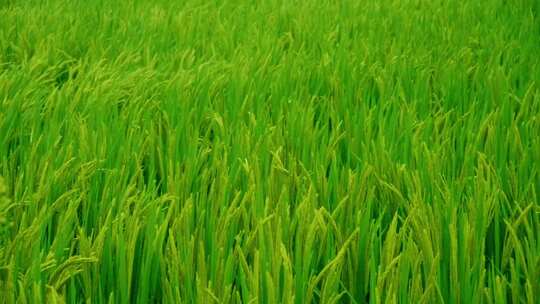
pixel 273 151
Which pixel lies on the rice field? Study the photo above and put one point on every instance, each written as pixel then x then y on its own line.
pixel 271 151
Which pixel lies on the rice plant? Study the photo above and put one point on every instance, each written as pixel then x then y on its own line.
pixel 273 151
